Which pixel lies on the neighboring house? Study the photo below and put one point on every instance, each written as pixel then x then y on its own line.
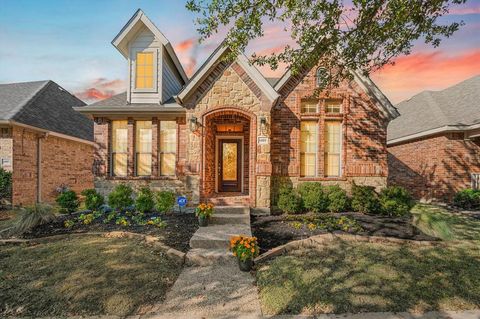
pixel 434 146
pixel 44 142
pixel 229 135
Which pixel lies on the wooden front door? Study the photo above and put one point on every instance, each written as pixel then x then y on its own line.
pixel 229 165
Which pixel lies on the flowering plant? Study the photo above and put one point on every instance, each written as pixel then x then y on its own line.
pixel 204 210
pixel 244 247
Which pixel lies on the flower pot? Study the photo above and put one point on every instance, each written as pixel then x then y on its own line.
pixel 202 221
pixel 245 265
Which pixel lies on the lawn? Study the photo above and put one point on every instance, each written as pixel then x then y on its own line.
pixel 83 275
pixel 354 277
pixel 438 222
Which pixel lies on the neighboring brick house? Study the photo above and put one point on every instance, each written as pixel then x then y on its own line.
pixel 434 146
pixel 229 135
pixel 44 142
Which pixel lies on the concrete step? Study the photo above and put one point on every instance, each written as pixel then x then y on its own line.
pixel 226 218
pixel 245 210
pixel 208 257
pixel 217 236
pixel 230 200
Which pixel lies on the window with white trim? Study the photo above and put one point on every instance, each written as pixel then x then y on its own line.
pixel 333 106
pixel 309 106
pixel 308 148
pixel 119 148
pixel 168 147
pixel 143 147
pixel 144 70
pixel 333 148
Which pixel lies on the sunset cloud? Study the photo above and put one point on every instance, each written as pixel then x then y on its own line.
pixel 426 71
pixel 100 89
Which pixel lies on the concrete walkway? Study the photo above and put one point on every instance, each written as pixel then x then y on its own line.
pixel 212 286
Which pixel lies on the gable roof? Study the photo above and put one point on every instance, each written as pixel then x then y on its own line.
pixel 456 108
pixel 44 105
pixel 365 83
pixel 212 61
pixel 136 21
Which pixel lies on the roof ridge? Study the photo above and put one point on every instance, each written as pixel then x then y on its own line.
pixel 29 99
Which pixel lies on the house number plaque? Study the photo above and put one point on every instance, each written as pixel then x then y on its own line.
pixel 262 140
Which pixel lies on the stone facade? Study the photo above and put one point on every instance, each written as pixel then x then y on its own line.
pixel 435 167
pixel 63 162
pixel 6 152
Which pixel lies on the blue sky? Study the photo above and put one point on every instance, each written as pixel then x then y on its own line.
pixel 69 42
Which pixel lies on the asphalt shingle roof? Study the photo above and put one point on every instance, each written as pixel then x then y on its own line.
pixel 45 105
pixel 458 105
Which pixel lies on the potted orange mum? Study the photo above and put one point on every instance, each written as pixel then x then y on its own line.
pixel 204 212
pixel 245 249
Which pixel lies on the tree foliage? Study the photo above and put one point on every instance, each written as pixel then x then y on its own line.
pixel 361 35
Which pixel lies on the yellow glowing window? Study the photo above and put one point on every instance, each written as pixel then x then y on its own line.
pixel 168 147
pixel 119 148
pixel 333 147
pixel 308 148
pixel 143 146
pixel 308 107
pixel 144 75
pixel 333 106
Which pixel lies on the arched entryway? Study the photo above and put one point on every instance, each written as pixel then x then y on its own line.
pixel 229 154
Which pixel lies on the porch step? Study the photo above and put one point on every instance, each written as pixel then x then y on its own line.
pixel 217 236
pixel 231 215
pixel 207 257
pixel 243 200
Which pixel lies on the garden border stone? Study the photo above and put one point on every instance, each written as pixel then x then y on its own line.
pixel 321 239
pixel 148 239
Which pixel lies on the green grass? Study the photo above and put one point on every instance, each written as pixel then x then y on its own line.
pixel 365 277
pixel 7 219
pixel 439 222
pixel 86 275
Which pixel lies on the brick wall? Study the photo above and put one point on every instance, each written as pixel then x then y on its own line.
pixel 63 162
pixel 434 167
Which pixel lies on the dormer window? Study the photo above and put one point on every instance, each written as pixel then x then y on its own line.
pixel 145 70
pixel 321 78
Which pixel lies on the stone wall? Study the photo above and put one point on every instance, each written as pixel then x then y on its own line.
pixel 6 152
pixel 434 168
pixel 63 162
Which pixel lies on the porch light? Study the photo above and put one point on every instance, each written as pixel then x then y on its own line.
pixel 193 124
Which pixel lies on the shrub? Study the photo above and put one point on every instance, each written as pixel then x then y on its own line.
pixel 395 201
pixel 314 197
pixel 145 202
pixel 467 199
pixel 164 201
pixel 338 200
pixel 288 200
pixel 365 199
pixel 32 216
pixel 5 185
pixel 121 197
pixel 86 219
pixel 123 221
pixel 93 200
pixel 157 222
pixel 68 201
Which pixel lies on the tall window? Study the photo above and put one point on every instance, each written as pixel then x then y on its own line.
pixel 333 146
pixel 119 148
pixel 168 147
pixel 308 148
pixel 308 107
pixel 321 78
pixel 144 70
pixel 143 146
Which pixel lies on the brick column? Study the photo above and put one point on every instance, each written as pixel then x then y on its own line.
pixel 155 137
pixel 131 147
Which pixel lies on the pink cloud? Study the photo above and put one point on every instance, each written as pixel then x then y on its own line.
pixel 426 71
pixel 465 10
pixel 100 89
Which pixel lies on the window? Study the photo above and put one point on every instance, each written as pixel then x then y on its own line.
pixel 119 147
pixel 308 107
pixel 143 146
pixel 321 77
pixel 168 147
pixel 333 146
pixel 5 132
pixel 308 148
pixel 144 75
pixel 476 180
pixel 333 106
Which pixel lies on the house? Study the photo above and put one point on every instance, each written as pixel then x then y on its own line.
pixel 434 146
pixel 228 135
pixel 44 142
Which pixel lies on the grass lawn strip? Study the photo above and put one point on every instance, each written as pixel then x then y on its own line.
pixel 344 276
pixel 88 275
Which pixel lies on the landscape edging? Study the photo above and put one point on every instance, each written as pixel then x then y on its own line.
pixel 149 239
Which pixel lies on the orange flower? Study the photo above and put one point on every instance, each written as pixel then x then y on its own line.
pixel 253 250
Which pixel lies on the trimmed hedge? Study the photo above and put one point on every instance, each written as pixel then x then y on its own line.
pixel 395 201
pixel 365 199
pixel 289 201
pixel 314 197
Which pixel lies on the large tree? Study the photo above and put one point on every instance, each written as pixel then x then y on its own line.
pixel 361 35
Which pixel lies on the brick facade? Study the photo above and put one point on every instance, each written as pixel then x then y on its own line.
pixel 435 167
pixel 63 162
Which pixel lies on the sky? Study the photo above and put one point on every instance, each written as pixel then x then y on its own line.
pixel 69 42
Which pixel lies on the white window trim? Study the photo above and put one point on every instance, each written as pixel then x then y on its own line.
pixel 160 152
pixel 340 154
pixel 315 152
pixel 133 55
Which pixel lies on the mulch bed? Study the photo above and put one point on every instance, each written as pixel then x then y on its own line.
pixel 273 231
pixel 177 233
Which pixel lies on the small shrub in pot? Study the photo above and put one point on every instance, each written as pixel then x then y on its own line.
pixel 365 199
pixel 289 201
pixel 68 201
pixel 164 201
pixel 338 200
pixel 121 197
pixel 145 201
pixel 395 201
pixel 93 200
pixel 314 197
pixel 467 199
